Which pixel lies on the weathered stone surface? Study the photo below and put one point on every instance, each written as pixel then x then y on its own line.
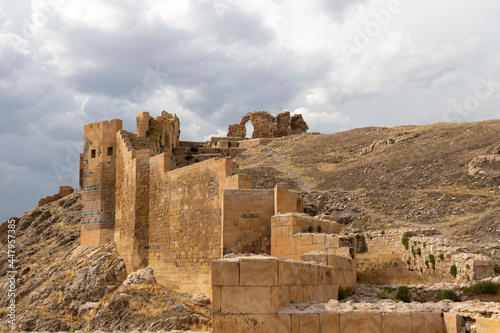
pixel 396 323
pixel 485 325
pixel 427 322
pixel 361 323
pixel 453 323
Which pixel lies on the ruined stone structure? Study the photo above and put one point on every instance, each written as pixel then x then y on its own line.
pixel 63 191
pixel 267 126
pixel 177 218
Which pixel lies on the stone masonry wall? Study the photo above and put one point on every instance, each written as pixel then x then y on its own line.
pixel 246 220
pixel 185 223
pixel 254 294
pixel 291 238
pixel 98 186
pixel 131 202
pixel 424 250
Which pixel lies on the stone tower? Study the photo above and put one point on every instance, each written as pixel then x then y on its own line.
pixel 99 182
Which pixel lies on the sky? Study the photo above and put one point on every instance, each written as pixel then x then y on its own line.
pixel 342 64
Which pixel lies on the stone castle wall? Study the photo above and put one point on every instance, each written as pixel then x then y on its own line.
pixel 98 186
pixel 176 221
pixel 185 231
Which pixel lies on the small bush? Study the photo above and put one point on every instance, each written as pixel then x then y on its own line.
pixel 345 292
pixel 189 157
pixel 408 262
pixel 370 236
pixel 453 271
pixel 310 228
pixel 409 234
pixel 403 294
pixel 405 242
pixel 467 266
pixel 193 149
pixel 432 260
pixel 346 233
pixel 387 293
pixel 319 228
pixel 424 245
pixel 382 232
pixel 421 270
pixel 441 256
pixel 447 294
pixel 422 300
pixel 486 287
pixel 427 263
pixel 465 289
pixel 419 252
pixel 358 236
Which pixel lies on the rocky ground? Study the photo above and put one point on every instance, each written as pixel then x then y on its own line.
pixel 63 286
pixel 443 175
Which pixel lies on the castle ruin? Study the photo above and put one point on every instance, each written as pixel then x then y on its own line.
pixel 138 191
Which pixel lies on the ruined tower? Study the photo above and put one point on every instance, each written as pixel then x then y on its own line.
pixel 98 182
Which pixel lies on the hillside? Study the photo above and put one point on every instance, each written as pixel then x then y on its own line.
pixel 384 178
pixel 62 286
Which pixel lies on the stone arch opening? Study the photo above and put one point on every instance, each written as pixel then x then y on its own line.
pixel 249 129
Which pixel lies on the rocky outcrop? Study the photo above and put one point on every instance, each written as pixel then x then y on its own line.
pixel 63 286
pixel 380 145
pixel 485 165
pixel 63 191
pixel 267 126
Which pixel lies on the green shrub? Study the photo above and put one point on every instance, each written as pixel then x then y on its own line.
pixel 387 293
pixel 425 244
pixel 432 260
pixel 408 262
pixel 427 263
pixel 409 234
pixel 382 232
pixel 441 256
pixel 422 300
pixel 370 236
pixel 453 271
pixel 193 149
pixel 405 242
pixel 447 294
pixel 403 294
pixel 419 252
pixel 345 292
pixel 486 287
pixel 467 266
pixel 319 228
pixel 421 270
pixel 465 289
pixel 189 157
pixel 346 233
pixel 413 251
pixel 358 236
pixel 310 228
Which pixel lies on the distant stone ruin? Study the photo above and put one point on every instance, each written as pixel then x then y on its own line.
pixel 63 191
pixel 267 126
